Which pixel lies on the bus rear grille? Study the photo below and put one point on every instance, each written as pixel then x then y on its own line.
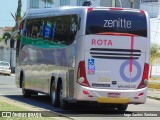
pixel 107 53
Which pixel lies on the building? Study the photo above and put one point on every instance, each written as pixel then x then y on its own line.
pixel 34 4
pixel 153 9
pixel 151 6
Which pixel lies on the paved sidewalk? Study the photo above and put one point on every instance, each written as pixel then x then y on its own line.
pixel 154 81
pixel 153 93
pixel 12 74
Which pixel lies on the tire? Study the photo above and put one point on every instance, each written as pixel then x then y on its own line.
pixel 122 107
pixel 63 103
pixel 25 93
pixel 54 95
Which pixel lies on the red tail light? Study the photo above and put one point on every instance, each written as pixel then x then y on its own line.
pixel 142 11
pixel 90 9
pixel 145 76
pixel 81 74
pixel 116 8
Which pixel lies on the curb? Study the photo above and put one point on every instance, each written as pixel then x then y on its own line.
pixel 13 75
pixel 153 93
pixel 155 98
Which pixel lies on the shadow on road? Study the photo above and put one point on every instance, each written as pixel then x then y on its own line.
pixel 76 109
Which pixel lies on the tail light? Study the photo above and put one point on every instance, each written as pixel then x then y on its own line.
pixel 142 11
pixel 9 67
pixel 89 9
pixel 81 74
pixel 145 76
pixel 116 8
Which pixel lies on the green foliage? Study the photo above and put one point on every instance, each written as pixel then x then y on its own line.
pixel 19 8
pixel 10 107
pixel 6 36
pixel 154 53
pixel 0 39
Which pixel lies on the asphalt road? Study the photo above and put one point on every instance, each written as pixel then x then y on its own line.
pixel 79 111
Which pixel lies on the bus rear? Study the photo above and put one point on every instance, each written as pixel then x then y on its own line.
pixel 116 57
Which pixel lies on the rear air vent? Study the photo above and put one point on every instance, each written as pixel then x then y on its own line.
pixel 107 53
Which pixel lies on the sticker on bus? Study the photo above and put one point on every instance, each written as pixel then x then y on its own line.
pixel 91 66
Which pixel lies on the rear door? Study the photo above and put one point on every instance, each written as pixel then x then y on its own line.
pixel 115 48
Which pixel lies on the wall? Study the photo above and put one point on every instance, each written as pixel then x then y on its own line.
pixel 156 71
pixel 5 55
pixel 151 8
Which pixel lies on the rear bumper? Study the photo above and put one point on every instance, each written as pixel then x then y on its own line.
pixel 102 95
pixel 8 72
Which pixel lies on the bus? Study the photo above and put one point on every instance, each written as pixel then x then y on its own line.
pixel 85 54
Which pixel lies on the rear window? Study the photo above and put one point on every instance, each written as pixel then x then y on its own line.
pixel 100 21
pixel 4 64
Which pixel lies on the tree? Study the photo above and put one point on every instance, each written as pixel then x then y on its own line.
pixel 17 16
pixel 49 1
pixel 154 55
pixel 6 36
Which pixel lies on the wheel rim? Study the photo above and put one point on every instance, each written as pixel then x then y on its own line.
pixel 53 94
pixel 23 91
pixel 61 97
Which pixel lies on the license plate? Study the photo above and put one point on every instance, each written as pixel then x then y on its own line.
pixel 114 95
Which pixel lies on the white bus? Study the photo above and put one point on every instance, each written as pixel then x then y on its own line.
pixel 98 55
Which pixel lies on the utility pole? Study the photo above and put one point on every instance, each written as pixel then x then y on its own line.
pixel 132 3
pixel 113 3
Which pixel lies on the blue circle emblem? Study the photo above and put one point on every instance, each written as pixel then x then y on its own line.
pixel 136 77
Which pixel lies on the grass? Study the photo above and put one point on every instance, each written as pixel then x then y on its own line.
pixel 9 107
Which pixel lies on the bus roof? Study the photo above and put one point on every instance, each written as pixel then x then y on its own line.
pixel 44 12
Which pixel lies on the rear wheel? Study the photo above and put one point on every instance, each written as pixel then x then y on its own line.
pixel 63 103
pixel 54 95
pixel 26 93
pixel 122 107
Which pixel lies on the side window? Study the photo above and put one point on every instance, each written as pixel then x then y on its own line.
pixel 32 28
pixel 47 27
pixel 73 27
pixel 57 29
pixel 53 29
pixel 28 29
pixel 64 29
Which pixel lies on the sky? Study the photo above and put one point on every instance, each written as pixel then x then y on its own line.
pixel 6 8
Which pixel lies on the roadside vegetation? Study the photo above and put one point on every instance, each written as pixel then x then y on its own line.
pixel 154 56
pixel 9 107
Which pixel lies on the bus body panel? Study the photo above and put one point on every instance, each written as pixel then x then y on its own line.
pixel 102 53
pixel 39 65
pixel 137 96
